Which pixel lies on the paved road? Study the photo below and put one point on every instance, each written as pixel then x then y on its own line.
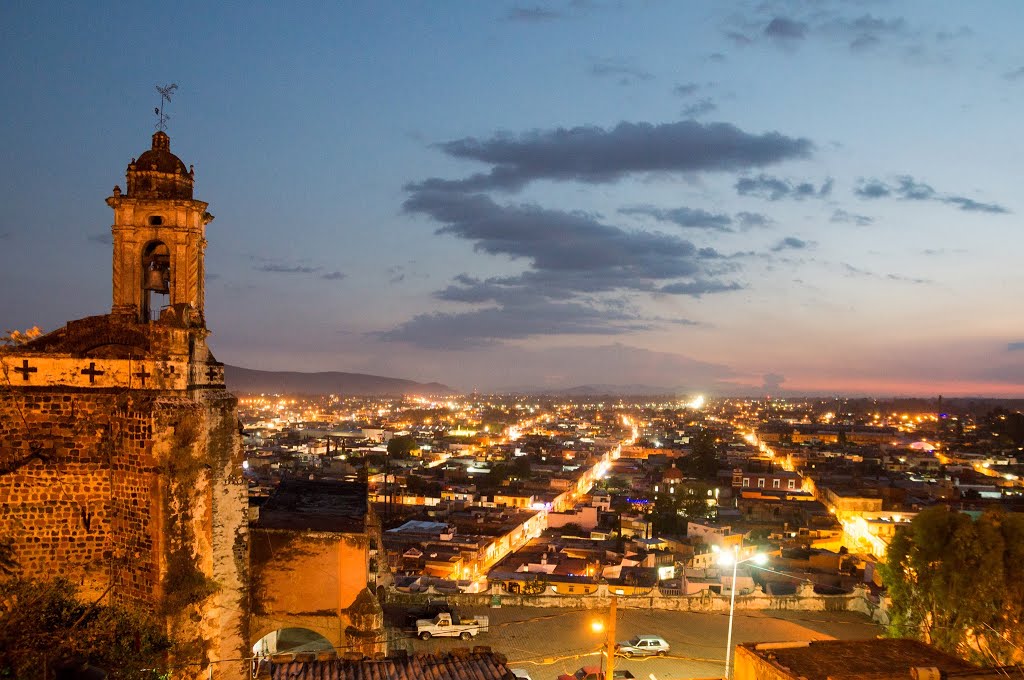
pixel 548 642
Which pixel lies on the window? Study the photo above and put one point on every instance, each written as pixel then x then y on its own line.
pixel 792 484
pixel 746 481
pixel 760 482
pixel 776 483
pixel 155 220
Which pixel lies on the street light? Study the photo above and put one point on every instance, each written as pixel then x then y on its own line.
pixel 725 559
pixel 598 626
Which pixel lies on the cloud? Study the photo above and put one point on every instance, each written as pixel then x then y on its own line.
pixel 932 252
pixel 482 327
pixel 783 28
pixel 909 189
pixel 626 74
pixel 277 268
pixel 696 218
pixel 790 243
pixel 775 188
pixel 864 42
pixel 698 288
pixel 685 89
pixel 749 219
pixel 1015 346
pixel 1015 74
pixel 872 188
pixel 575 262
pixel 569 249
pixel 856 271
pixel 866 31
pixel 596 155
pixel 844 217
pixel 699 108
pixel 103 238
pixel 738 39
pixel 772 382
pixel 532 15
pixel 970 205
pixel 912 190
pixel 334 276
pixel 692 218
pixel 906 279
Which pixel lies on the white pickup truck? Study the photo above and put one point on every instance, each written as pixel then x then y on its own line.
pixel 443 625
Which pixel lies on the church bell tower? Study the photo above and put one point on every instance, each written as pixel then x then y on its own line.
pixel 121 465
pixel 159 239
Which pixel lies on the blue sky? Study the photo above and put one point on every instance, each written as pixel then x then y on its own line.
pixel 733 197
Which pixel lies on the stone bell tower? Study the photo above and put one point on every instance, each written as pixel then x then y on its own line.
pixel 120 450
pixel 159 237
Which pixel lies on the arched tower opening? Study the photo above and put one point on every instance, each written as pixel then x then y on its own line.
pixel 156 279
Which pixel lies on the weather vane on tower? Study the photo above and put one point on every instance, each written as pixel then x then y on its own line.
pixel 165 96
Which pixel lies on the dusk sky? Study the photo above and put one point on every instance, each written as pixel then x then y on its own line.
pixel 729 197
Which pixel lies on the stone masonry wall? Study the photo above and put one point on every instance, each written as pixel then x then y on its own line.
pixel 133 493
pixel 229 563
pixel 76 489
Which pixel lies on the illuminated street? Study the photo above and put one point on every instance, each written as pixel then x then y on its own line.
pixel 549 642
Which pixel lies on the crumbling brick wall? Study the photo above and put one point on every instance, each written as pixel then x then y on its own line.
pixel 106 487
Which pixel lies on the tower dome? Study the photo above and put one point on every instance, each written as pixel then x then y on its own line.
pixel 158 173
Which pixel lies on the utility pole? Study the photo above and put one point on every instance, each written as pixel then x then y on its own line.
pixel 610 674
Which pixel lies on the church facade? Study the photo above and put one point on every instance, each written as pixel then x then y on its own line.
pixel 120 455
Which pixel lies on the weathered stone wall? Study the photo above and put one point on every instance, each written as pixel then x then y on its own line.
pixel 135 494
pixel 804 600
pixel 229 502
pixel 77 485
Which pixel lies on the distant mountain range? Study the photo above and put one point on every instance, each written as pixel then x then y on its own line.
pixel 251 381
pixel 601 390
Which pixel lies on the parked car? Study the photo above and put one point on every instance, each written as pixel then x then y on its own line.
pixel 521 673
pixel 596 673
pixel 443 625
pixel 642 645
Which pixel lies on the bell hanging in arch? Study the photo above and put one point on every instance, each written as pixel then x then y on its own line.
pixel 158 280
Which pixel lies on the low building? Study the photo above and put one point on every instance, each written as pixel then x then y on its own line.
pixel 877 659
pixel 310 564
pixel 452 666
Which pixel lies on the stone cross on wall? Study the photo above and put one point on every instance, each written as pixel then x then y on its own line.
pixel 25 369
pixel 92 372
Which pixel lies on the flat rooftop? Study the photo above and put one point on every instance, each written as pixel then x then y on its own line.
pixel 316 505
pixel 877 659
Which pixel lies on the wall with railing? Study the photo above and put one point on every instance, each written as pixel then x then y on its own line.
pixel 805 599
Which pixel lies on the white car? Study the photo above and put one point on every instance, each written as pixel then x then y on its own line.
pixel 642 645
pixel 521 673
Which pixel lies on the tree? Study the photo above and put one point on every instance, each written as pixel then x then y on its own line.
pixel 42 622
pixel 1009 426
pixel 958 583
pixel 702 462
pixel 402 446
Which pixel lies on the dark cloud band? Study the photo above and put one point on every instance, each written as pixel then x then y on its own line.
pixel 595 155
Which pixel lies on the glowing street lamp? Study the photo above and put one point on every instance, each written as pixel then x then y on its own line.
pixel 733 558
pixel 599 626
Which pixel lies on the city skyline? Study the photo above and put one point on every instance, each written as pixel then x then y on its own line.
pixel 777 196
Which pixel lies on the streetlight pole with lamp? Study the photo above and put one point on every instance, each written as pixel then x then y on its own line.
pixel 724 559
pixel 597 626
